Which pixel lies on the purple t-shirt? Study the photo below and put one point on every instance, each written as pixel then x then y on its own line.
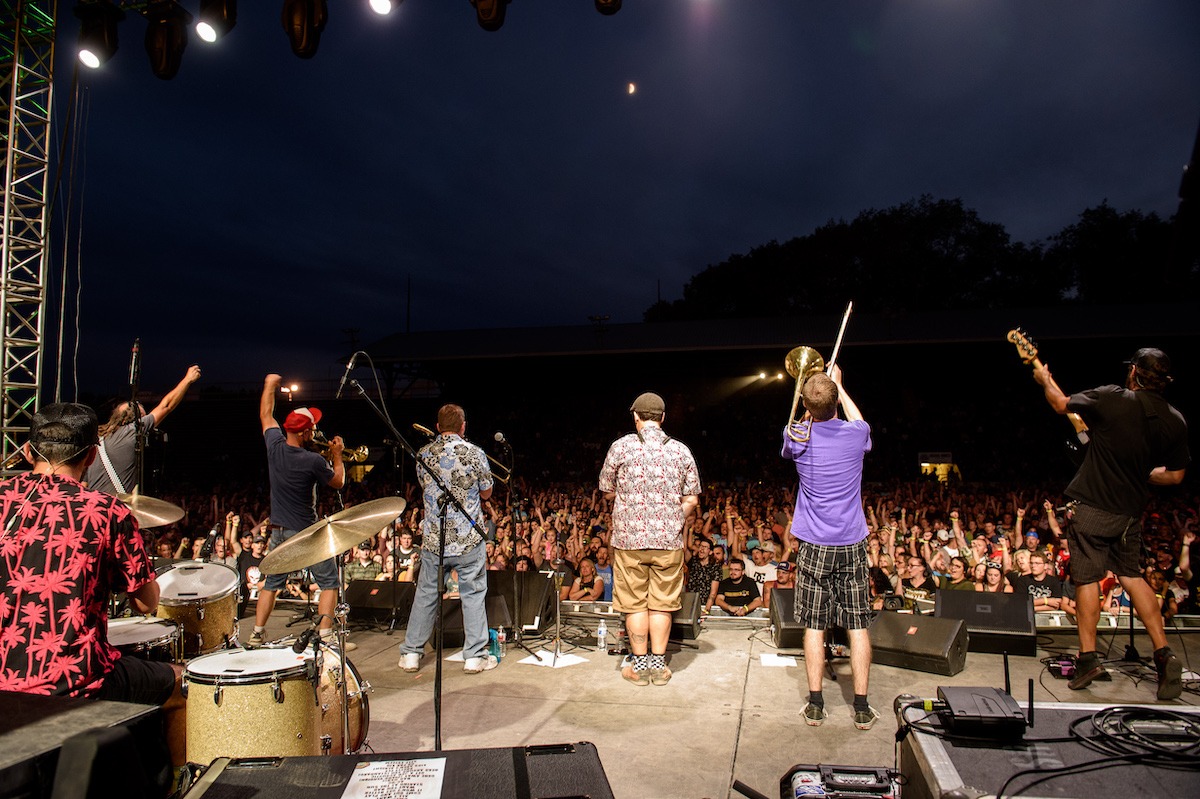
pixel 830 464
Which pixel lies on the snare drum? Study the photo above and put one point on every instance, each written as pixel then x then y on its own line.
pixel 202 598
pixel 331 702
pixel 251 703
pixel 145 637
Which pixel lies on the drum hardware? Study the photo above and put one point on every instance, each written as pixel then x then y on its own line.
pixel 329 538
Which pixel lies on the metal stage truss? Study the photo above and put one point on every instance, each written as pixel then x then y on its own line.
pixel 27 60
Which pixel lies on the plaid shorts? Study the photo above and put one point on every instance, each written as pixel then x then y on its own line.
pixel 832 586
pixel 1101 541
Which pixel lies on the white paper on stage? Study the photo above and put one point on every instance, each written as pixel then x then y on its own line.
pixel 397 779
pixel 777 661
pixel 544 658
pixel 457 657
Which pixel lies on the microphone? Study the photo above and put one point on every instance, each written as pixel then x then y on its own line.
pixel 500 438
pixel 346 375
pixel 303 640
pixel 209 543
pixel 423 429
pixel 135 362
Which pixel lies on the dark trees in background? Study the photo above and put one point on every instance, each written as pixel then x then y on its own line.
pixel 929 254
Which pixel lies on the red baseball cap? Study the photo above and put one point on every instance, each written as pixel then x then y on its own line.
pixel 301 419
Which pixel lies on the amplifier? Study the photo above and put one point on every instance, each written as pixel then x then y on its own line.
pixel 921 643
pixel 996 623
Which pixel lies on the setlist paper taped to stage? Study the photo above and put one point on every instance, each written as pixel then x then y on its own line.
pixel 397 779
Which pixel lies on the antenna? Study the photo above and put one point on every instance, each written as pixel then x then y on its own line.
pixel 1030 701
pixel 1007 683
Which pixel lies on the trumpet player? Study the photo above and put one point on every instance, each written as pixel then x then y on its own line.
pixel 295 472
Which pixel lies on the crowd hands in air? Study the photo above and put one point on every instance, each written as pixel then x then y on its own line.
pixel 924 537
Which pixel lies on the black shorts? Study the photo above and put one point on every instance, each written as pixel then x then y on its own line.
pixel 832 586
pixel 135 680
pixel 1103 541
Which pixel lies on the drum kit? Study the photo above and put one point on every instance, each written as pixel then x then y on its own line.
pixel 280 700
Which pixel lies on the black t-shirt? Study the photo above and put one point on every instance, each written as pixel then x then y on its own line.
pixel 1049 586
pixel 245 562
pixel 925 591
pixel 739 594
pixel 1125 444
pixel 294 473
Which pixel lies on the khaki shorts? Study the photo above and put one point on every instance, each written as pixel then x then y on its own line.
pixel 647 579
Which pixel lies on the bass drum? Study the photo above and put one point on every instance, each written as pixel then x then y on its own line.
pixel 251 703
pixel 331 702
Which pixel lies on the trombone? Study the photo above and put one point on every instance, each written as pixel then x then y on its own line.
pixel 348 455
pixel 802 363
pixel 500 471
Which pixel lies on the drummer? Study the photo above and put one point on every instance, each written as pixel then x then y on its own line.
pixel 295 472
pixel 66 546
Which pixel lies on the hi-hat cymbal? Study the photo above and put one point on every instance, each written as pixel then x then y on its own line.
pixel 151 512
pixel 332 535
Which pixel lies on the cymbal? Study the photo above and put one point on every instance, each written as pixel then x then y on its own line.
pixel 151 512
pixel 332 536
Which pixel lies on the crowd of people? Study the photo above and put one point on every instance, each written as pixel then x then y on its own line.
pixel 925 536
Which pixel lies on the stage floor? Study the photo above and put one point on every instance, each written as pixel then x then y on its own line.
pixel 725 715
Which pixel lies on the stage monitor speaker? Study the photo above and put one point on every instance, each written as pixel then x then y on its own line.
pixel 786 632
pixel 372 600
pixel 685 623
pixel 921 643
pixel 537 598
pixel 452 618
pixel 996 623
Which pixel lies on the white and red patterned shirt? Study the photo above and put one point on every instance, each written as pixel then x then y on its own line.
pixel 650 475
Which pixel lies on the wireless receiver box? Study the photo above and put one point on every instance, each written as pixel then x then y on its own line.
pixel 981 712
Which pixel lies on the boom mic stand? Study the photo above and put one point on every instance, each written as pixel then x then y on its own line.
pixel 518 583
pixel 139 433
pixel 445 500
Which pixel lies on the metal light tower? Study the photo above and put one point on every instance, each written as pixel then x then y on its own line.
pixel 27 65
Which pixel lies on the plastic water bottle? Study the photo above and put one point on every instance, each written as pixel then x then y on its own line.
pixel 601 636
pixel 494 644
pixel 502 639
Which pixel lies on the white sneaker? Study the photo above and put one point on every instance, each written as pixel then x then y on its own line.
pixel 476 665
pixel 410 661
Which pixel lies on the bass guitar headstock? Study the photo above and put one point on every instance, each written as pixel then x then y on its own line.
pixel 1025 345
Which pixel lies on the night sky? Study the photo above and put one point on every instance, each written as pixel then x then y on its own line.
pixel 245 212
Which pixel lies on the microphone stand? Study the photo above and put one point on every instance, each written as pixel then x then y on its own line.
pixel 445 500
pixel 139 434
pixel 518 583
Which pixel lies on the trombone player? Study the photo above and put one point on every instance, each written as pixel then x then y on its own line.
pixel 832 585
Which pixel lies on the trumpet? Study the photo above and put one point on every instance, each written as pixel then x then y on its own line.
pixel 500 472
pixel 348 455
pixel 801 363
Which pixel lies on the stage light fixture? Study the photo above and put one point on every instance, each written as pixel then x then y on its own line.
pixel 608 7
pixel 303 21
pixel 166 36
pixel 97 32
pixel 217 18
pixel 490 13
pixel 384 7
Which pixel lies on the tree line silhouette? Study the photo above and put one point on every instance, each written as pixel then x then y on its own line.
pixel 935 254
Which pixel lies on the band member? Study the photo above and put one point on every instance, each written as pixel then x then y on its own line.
pixel 464 468
pixel 832 569
pixel 115 468
pixel 64 548
pixel 656 485
pixel 1136 438
pixel 295 472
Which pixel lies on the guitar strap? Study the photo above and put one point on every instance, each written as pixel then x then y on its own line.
pixel 108 467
